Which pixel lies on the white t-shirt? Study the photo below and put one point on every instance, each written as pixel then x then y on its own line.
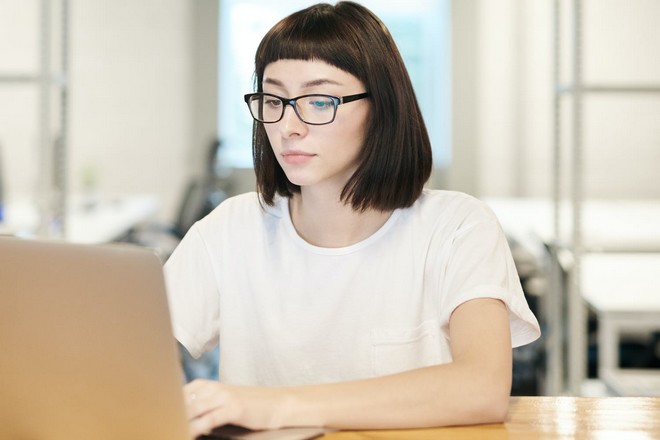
pixel 286 312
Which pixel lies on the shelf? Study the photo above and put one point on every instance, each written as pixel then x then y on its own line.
pixel 569 139
pixel 51 74
pixel 648 88
pixel 55 80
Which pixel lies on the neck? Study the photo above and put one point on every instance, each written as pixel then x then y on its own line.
pixel 329 222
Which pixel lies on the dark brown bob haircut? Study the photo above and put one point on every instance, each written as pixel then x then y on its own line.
pixel 395 161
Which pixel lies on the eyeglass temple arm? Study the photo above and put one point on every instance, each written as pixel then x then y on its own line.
pixel 351 98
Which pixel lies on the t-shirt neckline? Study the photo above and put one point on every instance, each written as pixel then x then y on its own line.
pixel 291 230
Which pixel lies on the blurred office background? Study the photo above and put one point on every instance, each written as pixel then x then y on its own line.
pixel 124 120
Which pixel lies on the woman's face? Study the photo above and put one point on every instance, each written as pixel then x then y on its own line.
pixel 313 155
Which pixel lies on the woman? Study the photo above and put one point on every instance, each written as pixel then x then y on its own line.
pixel 342 293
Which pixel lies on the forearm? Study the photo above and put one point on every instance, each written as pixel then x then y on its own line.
pixel 473 389
pixel 451 394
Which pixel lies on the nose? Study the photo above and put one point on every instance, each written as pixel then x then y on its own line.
pixel 290 124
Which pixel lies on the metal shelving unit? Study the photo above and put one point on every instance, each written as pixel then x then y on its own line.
pixel 52 197
pixel 567 350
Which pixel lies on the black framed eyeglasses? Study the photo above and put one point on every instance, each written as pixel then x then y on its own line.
pixel 312 109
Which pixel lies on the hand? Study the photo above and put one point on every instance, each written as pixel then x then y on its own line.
pixel 210 404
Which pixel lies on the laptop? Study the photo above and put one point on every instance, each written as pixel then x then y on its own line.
pixel 87 347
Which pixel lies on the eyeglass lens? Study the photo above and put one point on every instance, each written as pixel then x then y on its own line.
pixel 312 109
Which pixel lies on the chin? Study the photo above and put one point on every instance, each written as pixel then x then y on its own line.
pixel 300 181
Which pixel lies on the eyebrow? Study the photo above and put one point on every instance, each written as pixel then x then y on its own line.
pixel 312 83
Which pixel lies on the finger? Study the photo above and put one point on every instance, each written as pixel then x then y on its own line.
pixel 196 397
pixel 193 406
pixel 206 399
pixel 199 406
pixel 198 390
pixel 206 422
pixel 196 386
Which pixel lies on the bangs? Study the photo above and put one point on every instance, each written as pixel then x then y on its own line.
pixel 320 36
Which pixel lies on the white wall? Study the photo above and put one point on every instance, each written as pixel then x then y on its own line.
pixel 18 102
pixel 131 106
pixel 132 94
pixel 503 108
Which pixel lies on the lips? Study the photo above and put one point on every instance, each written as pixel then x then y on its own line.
pixel 297 157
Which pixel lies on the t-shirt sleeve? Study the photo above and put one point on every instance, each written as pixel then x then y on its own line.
pixel 480 265
pixel 192 294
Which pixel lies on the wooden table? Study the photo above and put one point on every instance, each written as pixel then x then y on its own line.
pixel 546 418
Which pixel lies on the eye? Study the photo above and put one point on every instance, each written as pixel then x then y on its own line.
pixel 272 102
pixel 320 103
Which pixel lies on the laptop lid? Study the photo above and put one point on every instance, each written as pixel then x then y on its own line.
pixel 87 346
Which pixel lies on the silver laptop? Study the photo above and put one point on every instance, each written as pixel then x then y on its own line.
pixel 87 346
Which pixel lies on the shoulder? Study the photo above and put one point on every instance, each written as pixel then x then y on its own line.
pixel 244 206
pixel 240 212
pixel 457 208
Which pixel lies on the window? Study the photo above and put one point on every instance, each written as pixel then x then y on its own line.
pixel 419 27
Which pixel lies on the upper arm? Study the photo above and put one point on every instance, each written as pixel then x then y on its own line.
pixel 192 294
pixel 480 341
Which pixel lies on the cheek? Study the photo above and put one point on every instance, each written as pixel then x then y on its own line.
pixel 271 133
pixel 354 131
pixel 357 120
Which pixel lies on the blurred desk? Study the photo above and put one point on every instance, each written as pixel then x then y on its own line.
pixel 609 225
pixel 621 227
pixel 546 418
pixel 102 221
pixel 623 289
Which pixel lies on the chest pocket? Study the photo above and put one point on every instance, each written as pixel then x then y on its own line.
pixel 397 350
